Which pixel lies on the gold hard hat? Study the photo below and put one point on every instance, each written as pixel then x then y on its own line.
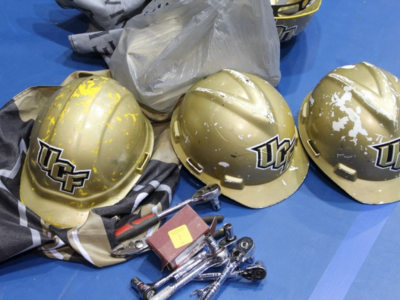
pixel 292 16
pixel 235 129
pixel 349 125
pixel 88 147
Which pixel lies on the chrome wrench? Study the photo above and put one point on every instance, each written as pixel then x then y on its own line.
pixel 207 194
pixel 243 249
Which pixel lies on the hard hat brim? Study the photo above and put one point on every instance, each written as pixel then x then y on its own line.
pixel 262 195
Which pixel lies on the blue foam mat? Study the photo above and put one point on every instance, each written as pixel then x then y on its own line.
pixel 317 244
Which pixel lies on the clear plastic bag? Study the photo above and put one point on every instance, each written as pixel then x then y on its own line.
pixel 173 44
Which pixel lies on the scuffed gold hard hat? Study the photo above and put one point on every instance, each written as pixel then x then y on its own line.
pixel 293 16
pixel 349 125
pixel 236 130
pixel 88 147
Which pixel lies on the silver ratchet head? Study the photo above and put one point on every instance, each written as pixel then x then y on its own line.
pixel 255 272
pixel 208 193
pixel 243 250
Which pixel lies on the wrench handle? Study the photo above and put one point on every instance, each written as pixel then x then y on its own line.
pixel 164 294
pixel 136 227
pixel 217 284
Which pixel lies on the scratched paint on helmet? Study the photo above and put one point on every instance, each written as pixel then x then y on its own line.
pixel 311 101
pixel 116 97
pixel 51 122
pixel 353 116
pixel 212 92
pixel 224 164
pixel 384 103
pixel 348 67
pixel 89 88
pixel 130 115
pixel 241 78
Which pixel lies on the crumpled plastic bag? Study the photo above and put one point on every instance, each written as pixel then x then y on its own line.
pixel 173 44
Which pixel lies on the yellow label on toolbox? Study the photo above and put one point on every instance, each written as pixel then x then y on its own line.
pixel 180 236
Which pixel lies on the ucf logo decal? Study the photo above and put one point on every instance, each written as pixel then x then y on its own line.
pixel 274 154
pixel 285 33
pixel 60 170
pixel 388 156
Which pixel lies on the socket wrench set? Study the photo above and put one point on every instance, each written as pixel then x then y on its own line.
pixel 190 249
pixel 236 259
